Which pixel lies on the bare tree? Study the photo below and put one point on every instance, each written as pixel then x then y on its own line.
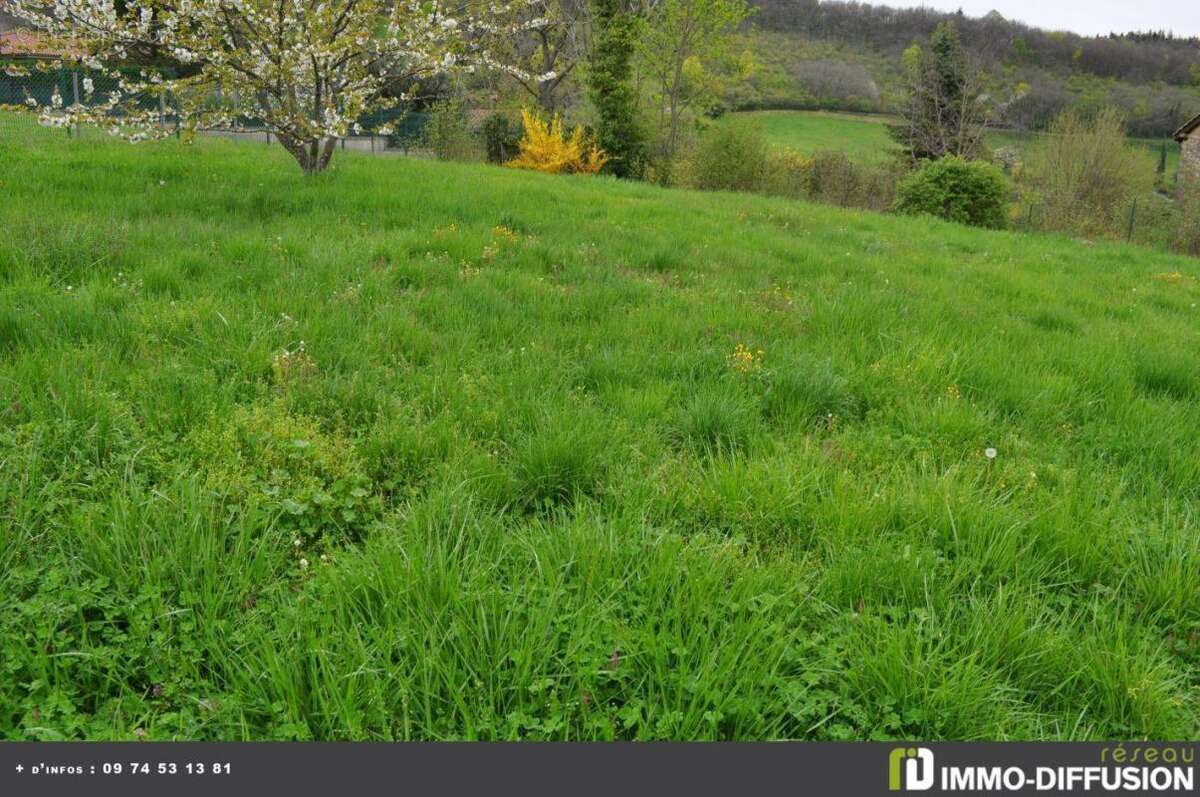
pixel 834 82
pixel 554 43
pixel 948 109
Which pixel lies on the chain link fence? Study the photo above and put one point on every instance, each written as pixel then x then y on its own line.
pixel 1157 220
pixel 25 86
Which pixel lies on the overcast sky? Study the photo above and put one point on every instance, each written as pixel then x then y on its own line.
pixel 1082 16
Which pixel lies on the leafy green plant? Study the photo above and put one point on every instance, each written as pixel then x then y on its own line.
pixel 447 132
pixel 730 157
pixel 1087 175
pixel 501 137
pixel 956 190
pixel 610 87
pixel 788 174
pixel 313 479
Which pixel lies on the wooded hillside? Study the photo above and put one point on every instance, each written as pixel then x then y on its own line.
pixel 1154 77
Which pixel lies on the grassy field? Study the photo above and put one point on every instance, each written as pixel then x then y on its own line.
pixel 864 137
pixel 431 451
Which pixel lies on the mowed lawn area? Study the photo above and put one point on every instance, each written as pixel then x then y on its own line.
pixel 430 451
pixel 864 137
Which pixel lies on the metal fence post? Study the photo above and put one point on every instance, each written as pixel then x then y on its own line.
pixel 1132 219
pixel 75 95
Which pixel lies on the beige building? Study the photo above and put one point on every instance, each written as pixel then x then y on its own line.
pixel 1188 137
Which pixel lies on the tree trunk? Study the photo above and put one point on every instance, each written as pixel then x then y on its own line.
pixel 546 98
pixel 312 155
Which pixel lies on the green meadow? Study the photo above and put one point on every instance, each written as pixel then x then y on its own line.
pixel 418 450
pixel 864 137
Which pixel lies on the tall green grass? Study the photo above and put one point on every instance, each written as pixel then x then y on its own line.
pixel 518 482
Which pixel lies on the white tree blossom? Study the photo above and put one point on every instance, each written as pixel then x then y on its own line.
pixel 306 70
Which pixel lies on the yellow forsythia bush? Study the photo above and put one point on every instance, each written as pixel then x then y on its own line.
pixel 546 147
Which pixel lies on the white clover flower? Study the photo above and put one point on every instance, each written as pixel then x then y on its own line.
pixel 303 564
pixel 990 453
pixel 296 542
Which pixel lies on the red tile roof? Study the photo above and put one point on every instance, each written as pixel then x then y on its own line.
pixel 28 42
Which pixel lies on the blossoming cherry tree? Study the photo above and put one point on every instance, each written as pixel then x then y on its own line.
pixel 306 70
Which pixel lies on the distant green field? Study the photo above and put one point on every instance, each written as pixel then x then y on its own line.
pixel 864 137
pixel 422 450
pixel 1022 141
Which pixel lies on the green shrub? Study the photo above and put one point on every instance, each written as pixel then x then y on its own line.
pixel 448 133
pixel 1087 175
pixel 957 190
pixel 879 186
pixel 737 157
pixel 833 179
pixel 501 138
pixel 731 157
pixel 1156 221
pixel 788 174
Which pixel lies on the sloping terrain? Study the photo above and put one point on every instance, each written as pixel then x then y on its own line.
pixel 847 56
pixel 419 450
